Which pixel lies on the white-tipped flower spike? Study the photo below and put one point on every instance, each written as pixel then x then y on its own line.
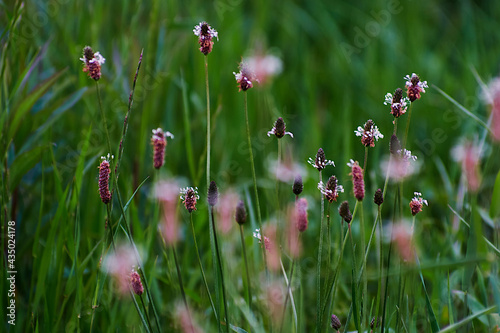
pixel 398 104
pixel 279 129
pixel 369 133
pixel 414 87
pixel 189 196
pixel 416 203
pixel 320 162
pixel 331 190
pixel 205 35
pixel 245 76
pixel 92 63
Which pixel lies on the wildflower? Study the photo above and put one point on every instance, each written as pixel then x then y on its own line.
pixel 468 153
pixel 119 264
pixel 205 35
pixel 245 76
pixel 402 238
pixel 189 196
pixel 159 142
pixel 416 203
pixel 331 190
pixel 135 281
pixel 320 162
pixel 92 63
pixel 183 318
pixel 265 66
pixel 285 170
pixel 358 183
pixel 271 246
pixel 275 298
pixel 394 145
pixel 398 104
pixel 344 212
pixel 213 194
pixel 241 215
pixel 104 171
pixel 298 186
pixel 403 164
pixel 414 87
pixel 492 97
pixel 301 214
pixel 279 129
pixel 378 198
pixel 369 134
pixel 375 322
pixel 226 210
pixel 167 191
pixel 336 324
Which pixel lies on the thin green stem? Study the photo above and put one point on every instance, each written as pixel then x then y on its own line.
pixel 249 288
pixel 208 120
pixel 104 122
pixel 328 235
pixel 252 165
pixel 318 267
pixel 181 286
pixel 405 138
pixel 288 292
pixel 201 268
pixel 278 185
pixel 145 311
pixel 224 299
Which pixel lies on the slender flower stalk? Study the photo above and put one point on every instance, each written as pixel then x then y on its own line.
pixel 221 272
pixel 240 217
pixel 252 165
pixel 201 269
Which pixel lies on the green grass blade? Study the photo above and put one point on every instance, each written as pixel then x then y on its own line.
pixel 456 326
pixel 430 311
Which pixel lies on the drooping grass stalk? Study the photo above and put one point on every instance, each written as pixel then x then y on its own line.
pixel 249 289
pixel 288 292
pixel 120 202
pixel 181 286
pixel 208 120
pixel 252 165
pixel 318 267
pixel 219 261
pixel 201 268
pixel 126 120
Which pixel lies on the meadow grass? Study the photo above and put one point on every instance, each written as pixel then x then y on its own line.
pixel 339 59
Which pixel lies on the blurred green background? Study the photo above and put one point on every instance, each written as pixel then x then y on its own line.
pixel 339 60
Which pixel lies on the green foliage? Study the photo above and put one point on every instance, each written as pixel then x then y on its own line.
pixel 339 60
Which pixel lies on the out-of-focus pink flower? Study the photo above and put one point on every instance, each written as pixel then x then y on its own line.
pixel 167 193
pixel 184 319
pixel 402 238
pixel 119 265
pixel 492 97
pixel 286 170
pixel 226 211
pixel 469 155
pixel 400 165
pixel 264 66
pixel 271 246
pixel 275 297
